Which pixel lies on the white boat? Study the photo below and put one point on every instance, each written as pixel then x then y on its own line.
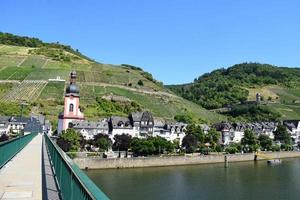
pixel 274 161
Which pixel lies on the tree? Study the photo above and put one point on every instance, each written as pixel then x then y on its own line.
pixel 142 147
pixel 151 146
pixel 140 83
pixel 189 142
pixel 196 131
pixel 249 141
pixel 212 137
pixel 69 140
pixel 3 137
pixel 161 145
pixel 102 141
pixel 265 142
pixel 122 142
pixel 233 148
pixel 281 134
pixel 185 118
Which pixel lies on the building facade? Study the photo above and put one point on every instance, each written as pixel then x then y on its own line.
pixel 293 127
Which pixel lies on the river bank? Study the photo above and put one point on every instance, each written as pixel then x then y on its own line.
pixel 136 162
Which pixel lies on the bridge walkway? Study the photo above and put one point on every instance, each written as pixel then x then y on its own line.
pixel 28 176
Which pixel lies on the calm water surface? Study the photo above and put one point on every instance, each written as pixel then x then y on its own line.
pixel 246 180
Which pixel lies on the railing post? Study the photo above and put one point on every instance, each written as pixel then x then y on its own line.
pixel 71 186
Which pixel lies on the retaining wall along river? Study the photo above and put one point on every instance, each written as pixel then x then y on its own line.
pixel 110 163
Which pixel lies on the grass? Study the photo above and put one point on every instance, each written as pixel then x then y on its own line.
pixel 10 61
pixel 45 74
pixel 13 50
pixel 36 61
pixel 53 91
pixel 21 73
pixel 160 106
pixel 5 87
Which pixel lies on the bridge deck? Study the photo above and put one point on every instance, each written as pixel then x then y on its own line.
pixel 27 174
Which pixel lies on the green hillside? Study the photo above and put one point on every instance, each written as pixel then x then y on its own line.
pixel 37 73
pixel 236 85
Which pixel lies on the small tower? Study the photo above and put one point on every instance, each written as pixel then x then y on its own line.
pixel 71 105
pixel 258 97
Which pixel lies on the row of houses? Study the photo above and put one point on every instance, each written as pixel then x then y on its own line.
pixel 142 124
pixel 139 124
pixel 11 125
pixel 234 132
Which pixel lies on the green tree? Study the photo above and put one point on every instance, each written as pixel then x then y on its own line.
pixel 140 83
pixel 142 147
pixel 161 145
pixel 185 118
pixel 249 141
pixel 281 134
pixel 122 142
pixel 102 141
pixel 212 137
pixel 196 131
pixel 265 142
pixel 190 143
pixel 69 140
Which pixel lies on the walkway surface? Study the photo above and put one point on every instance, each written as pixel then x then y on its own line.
pixel 28 174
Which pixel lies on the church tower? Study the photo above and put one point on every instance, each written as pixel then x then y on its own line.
pixel 71 105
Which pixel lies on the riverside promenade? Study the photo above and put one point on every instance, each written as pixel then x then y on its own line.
pixel 28 175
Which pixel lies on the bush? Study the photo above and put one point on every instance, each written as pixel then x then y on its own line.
pixel 3 137
pixel 69 140
pixel 219 148
pixel 140 83
pixel 185 118
pixel 231 150
pixel 286 147
pixel 275 148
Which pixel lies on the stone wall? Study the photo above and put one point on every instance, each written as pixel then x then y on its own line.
pixel 100 163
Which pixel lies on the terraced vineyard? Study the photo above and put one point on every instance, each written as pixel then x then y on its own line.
pixel 25 91
pixel 29 75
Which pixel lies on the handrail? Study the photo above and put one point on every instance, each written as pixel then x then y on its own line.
pixel 72 182
pixel 9 148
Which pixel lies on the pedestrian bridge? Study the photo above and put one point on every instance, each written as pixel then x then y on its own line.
pixel 34 167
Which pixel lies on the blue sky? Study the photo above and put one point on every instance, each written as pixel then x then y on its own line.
pixel 175 40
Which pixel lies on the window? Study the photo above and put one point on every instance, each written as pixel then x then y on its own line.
pixel 71 108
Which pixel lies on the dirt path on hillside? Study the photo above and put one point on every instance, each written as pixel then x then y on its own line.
pixel 157 93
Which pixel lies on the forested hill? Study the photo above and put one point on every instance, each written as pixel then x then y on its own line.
pixel 231 86
pixel 24 41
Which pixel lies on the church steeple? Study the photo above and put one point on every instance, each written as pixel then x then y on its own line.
pixel 71 105
pixel 72 89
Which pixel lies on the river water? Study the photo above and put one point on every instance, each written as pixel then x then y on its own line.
pixel 244 180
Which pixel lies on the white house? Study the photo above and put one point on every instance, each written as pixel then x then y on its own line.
pixel 120 125
pixel 170 131
pixel 293 127
pixel 89 129
pixel 4 125
pixel 234 132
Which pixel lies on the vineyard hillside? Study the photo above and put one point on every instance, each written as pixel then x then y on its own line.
pixel 38 74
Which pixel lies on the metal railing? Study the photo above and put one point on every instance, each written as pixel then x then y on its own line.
pixel 72 182
pixel 10 148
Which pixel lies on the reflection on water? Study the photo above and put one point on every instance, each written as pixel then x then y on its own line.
pixel 245 180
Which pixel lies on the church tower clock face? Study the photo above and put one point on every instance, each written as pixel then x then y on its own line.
pixel 71 105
